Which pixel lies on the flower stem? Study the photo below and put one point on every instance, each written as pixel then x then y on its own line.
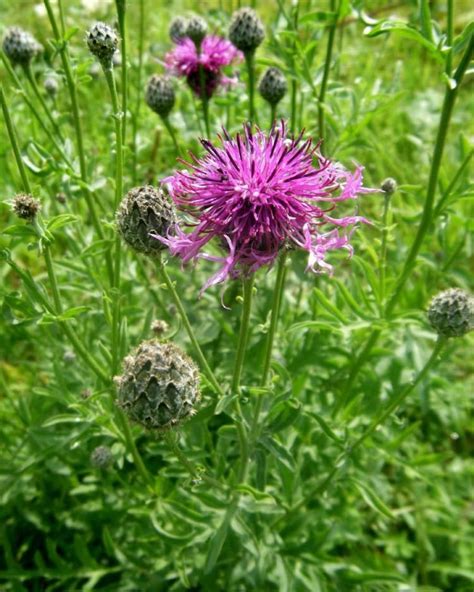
pixel 121 11
pixel 383 246
pixel 243 334
pixel 250 62
pixel 132 447
pixel 272 114
pixel 187 325
pixel 32 80
pixel 327 68
pixel 294 83
pixel 171 132
pixel 136 114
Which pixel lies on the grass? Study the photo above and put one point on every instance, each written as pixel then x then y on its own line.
pixel 315 511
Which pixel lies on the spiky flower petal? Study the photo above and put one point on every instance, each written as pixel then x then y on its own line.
pixel 160 95
pixel 20 46
pixel 451 313
pixel 143 211
pixel 215 53
pixel 273 86
pixel 246 30
pixel 256 193
pixel 102 42
pixel 159 386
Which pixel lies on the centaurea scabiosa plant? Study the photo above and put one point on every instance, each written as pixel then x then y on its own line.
pixel 258 193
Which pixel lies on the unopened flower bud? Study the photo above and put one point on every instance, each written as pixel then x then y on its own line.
pixel 142 212
pixel 389 186
pixel 102 41
pixel 178 27
pixel 51 86
pixel 159 327
pixel 101 457
pixel 273 86
pixel 196 29
pixel 159 95
pixel 159 387
pixel 246 30
pixel 451 313
pixel 26 206
pixel 20 46
pixel 61 197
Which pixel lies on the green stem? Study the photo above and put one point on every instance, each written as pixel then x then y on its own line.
pixel 121 12
pixel 139 98
pixel 243 334
pixel 449 36
pixel 204 99
pixel 442 200
pixel 272 114
pixel 327 68
pixel 132 447
pixel 249 61
pixel 383 246
pixel 32 80
pixel 171 132
pixel 294 83
pixel 187 325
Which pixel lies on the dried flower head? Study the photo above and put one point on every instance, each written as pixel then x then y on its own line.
pixel 51 86
pixel 215 53
pixel 389 186
pixel 26 206
pixel 196 29
pixel 178 27
pixel 101 457
pixel 451 313
pixel 159 387
pixel 273 86
pixel 159 95
pixel 143 211
pixel 20 46
pixel 159 327
pixel 257 192
pixel 246 30
pixel 102 42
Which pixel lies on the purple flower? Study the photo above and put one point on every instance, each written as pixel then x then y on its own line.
pixel 257 193
pixel 215 54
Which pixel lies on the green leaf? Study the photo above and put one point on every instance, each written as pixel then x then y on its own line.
pixel 277 450
pixel 60 221
pixel 324 426
pixel 372 499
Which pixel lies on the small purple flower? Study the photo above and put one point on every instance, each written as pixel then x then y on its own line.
pixel 215 54
pixel 257 193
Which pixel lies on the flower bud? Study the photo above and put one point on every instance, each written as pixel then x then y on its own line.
pixel 26 206
pixel 389 186
pixel 246 30
pixel 196 29
pixel 451 313
pixel 159 387
pixel 20 46
pixel 178 27
pixel 159 95
pixel 101 457
pixel 51 86
pixel 159 327
pixel 144 211
pixel 102 42
pixel 273 86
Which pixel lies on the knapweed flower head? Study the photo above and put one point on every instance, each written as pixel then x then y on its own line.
pixel 216 53
pixel 20 46
pixel 26 206
pixel 451 313
pixel 257 193
pixel 273 86
pixel 102 42
pixel 51 86
pixel 178 27
pixel 246 30
pixel 196 29
pixel 101 457
pixel 159 95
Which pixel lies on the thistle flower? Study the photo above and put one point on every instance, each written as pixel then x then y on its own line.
pixel 20 46
pixel 451 313
pixel 159 387
pixel 273 86
pixel 177 30
pixel 196 30
pixel 145 210
pixel 102 42
pixel 215 53
pixel 101 457
pixel 246 30
pixel 159 95
pixel 26 206
pixel 257 193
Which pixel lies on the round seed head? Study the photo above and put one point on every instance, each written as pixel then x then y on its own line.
pixel 246 30
pixel 102 42
pixel 26 206
pixel 51 86
pixel 144 211
pixel 20 46
pixel 159 327
pixel 196 29
pixel 178 28
pixel 389 186
pixel 101 457
pixel 159 387
pixel 451 313
pixel 159 95
pixel 273 86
